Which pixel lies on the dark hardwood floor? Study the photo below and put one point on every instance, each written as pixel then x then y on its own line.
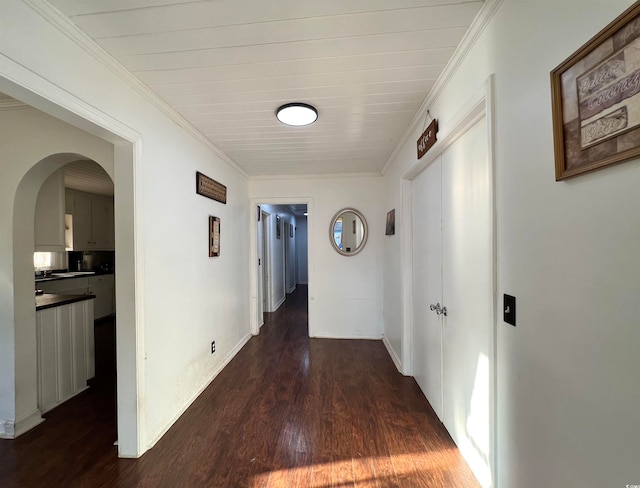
pixel 288 411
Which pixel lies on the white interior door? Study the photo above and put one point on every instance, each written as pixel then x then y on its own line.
pixel 266 271
pixel 427 283
pixel 467 270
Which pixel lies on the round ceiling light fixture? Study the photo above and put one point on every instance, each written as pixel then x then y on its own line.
pixel 297 114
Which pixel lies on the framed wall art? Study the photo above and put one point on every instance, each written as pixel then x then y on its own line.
pixel 214 236
pixel 390 227
pixel 596 100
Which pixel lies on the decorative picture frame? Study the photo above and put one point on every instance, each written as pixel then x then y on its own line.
pixel 214 236
pixel 390 227
pixel 596 100
pixel 277 227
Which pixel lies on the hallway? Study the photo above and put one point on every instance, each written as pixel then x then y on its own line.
pixel 287 411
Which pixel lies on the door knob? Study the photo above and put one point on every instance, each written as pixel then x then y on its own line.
pixel 438 309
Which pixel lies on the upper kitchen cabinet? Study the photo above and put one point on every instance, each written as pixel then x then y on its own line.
pixel 49 219
pixel 92 221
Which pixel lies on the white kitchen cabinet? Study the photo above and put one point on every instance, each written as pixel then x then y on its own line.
pixel 102 286
pixel 66 357
pixel 93 225
pixel 49 218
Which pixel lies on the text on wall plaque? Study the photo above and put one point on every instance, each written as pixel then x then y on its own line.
pixel 210 188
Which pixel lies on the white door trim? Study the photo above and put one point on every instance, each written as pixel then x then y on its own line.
pixel 29 87
pixel 479 105
pixel 253 256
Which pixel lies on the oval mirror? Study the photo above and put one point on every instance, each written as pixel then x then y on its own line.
pixel 348 232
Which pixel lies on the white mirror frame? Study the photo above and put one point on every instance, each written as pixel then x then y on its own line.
pixel 364 237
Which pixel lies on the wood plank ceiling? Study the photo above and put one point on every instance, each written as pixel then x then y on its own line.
pixel 226 65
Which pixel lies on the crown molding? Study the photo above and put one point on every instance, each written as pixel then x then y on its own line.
pixel 12 105
pixel 327 176
pixel 73 32
pixel 477 27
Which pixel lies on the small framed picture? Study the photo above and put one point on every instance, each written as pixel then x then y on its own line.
pixel 214 236
pixel 390 228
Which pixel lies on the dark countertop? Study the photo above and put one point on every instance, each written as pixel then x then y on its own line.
pixel 50 300
pixel 83 275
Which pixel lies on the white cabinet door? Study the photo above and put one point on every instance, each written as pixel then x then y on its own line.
pixel 49 218
pixel 427 283
pixel 102 287
pixel 82 238
pixel 66 384
pixel 47 359
pixel 89 337
pixel 102 227
pixel 78 346
pixel 93 224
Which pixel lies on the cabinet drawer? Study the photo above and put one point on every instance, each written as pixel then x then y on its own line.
pixel 61 286
pixel 101 279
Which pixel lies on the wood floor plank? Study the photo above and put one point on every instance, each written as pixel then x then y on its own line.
pixel 288 411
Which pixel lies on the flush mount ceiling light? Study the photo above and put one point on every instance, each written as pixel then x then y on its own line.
pixel 297 114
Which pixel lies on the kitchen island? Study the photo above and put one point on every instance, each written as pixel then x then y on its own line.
pixel 65 344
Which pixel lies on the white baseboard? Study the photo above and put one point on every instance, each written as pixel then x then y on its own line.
pixel 158 432
pixel 292 289
pixel 10 429
pixel 365 337
pixel 392 353
pixel 279 304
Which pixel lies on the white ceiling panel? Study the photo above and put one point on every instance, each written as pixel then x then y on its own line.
pixel 226 65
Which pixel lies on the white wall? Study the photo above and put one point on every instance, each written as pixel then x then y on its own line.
pixel 567 375
pixel 345 294
pixel 184 298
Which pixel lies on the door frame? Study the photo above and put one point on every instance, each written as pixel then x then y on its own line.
pixel 41 94
pixel 254 295
pixel 479 105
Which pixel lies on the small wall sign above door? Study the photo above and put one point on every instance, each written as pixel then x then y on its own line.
pixel 210 188
pixel 428 138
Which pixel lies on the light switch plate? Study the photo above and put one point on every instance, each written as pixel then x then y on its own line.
pixel 509 309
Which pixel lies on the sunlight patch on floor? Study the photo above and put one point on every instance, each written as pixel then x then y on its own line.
pixel 359 472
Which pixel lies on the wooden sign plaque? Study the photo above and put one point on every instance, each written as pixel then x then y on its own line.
pixel 428 138
pixel 210 188
pixel 214 236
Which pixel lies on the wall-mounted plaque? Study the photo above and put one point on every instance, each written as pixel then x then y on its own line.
pixel 428 138
pixel 214 236
pixel 596 100
pixel 210 188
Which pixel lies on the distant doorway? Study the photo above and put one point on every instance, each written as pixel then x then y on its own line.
pixel 280 247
